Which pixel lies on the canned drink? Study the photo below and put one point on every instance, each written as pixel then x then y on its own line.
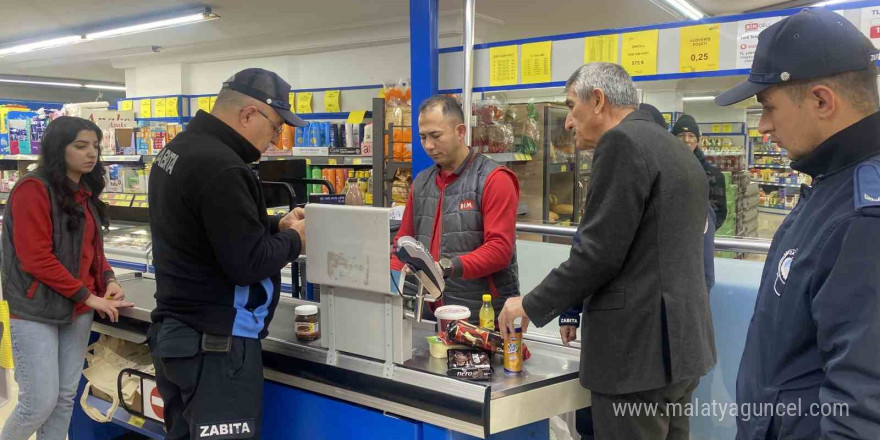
pixel 513 357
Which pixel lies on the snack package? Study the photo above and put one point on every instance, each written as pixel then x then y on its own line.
pixel 469 364
pixel 473 336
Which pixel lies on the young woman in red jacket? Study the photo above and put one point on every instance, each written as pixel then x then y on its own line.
pixel 54 274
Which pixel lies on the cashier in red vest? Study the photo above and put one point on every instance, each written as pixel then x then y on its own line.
pixel 464 210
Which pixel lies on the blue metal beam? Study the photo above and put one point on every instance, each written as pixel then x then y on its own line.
pixel 424 62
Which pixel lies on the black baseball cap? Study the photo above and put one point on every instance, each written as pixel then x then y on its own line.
pixel 810 44
pixel 267 87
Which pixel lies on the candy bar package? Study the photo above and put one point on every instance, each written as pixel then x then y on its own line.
pixel 473 336
pixel 469 364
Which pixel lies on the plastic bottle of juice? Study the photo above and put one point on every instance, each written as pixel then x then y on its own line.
pixel 487 314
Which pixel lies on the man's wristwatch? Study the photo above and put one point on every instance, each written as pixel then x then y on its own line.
pixel 447 267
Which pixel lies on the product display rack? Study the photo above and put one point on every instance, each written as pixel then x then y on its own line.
pixel 725 144
pixel 771 169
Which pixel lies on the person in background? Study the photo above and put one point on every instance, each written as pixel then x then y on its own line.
pixel 463 210
pixel 571 319
pixel 54 275
pixel 218 258
pixel 648 336
pixel 812 342
pixel 688 131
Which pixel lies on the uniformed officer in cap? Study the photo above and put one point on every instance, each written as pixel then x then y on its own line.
pixel 218 259
pixel 813 346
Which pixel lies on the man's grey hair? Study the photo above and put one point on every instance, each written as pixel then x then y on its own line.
pixel 611 79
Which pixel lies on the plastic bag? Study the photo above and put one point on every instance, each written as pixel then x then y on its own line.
pixel 106 358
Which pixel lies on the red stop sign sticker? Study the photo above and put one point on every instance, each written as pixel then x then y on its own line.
pixel 156 403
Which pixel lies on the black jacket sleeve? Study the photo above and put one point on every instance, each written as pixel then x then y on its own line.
pixel 619 190
pixel 846 312
pixel 718 196
pixel 238 236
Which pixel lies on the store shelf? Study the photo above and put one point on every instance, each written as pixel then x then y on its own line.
pixel 508 157
pixel 137 158
pixel 326 160
pixel 20 157
pixel 177 120
pixel 723 134
pixel 558 168
pixel 779 211
pixel 121 417
pixel 757 153
pixel 782 185
pixel 708 154
pixel 334 115
pixel 776 167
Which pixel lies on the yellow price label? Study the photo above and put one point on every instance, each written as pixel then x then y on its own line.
pixel 308 161
pixel 146 109
pixel 136 421
pixel 727 128
pixel 291 99
pixel 536 62
pixel 716 128
pixel 699 48
pixel 172 105
pixel 141 198
pixel 270 211
pixel 584 167
pixel 126 106
pixel 754 133
pixel 331 162
pixel 213 101
pixel 357 161
pixel 331 101
pixel 356 117
pixel 563 168
pixel 160 108
pixel 304 102
pixel 601 48
pixel 503 63
pixel 639 52
pixel 204 103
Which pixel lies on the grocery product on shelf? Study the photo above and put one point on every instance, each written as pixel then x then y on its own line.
pixel 494 130
pixel 398 115
pixel 401 185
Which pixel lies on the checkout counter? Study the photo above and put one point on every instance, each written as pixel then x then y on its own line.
pixel 370 375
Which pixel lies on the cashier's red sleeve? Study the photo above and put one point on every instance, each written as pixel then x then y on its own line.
pixel 406 229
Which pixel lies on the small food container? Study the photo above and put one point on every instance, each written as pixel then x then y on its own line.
pixel 448 314
pixel 307 323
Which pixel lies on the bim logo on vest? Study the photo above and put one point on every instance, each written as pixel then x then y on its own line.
pixel 466 205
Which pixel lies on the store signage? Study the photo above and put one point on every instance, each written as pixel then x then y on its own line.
pixel 747 39
pixel 204 103
pixel 699 48
pixel 213 101
pixel 331 101
pixel 126 105
pixel 602 48
pixel 160 108
pixel 146 109
pixel 536 62
pixel 503 62
pixel 639 52
pixel 356 117
pixel 871 24
pixel 304 102
pixel 172 107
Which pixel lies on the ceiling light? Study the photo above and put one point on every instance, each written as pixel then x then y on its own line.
pixel 45 44
pixel 828 2
pixel 105 87
pixel 161 24
pixel 697 98
pixel 686 9
pixel 191 17
pixel 40 83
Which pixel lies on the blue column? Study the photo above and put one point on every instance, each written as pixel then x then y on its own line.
pixel 423 68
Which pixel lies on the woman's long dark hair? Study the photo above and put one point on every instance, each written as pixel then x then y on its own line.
pixel 60 133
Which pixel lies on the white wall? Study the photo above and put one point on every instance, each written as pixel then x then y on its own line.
pixel 154 80
pixel 55 94
pixel 707 111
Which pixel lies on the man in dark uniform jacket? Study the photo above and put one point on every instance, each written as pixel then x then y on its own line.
pixel 637 266
pixel 812 345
